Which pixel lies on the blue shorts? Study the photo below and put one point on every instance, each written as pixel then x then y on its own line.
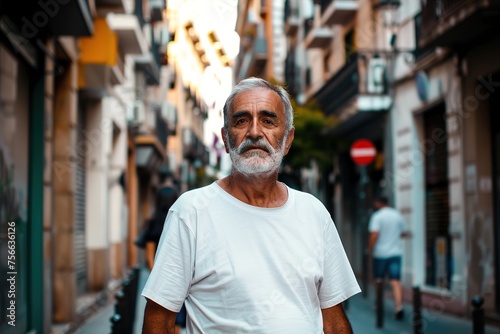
pixel 390 266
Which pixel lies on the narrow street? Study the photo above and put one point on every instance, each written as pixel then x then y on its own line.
pixel 360 310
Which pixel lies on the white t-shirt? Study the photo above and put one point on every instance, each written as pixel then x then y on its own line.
pixel 246 269
pixel 389 224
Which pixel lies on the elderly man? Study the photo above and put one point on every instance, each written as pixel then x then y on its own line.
pixel 247 254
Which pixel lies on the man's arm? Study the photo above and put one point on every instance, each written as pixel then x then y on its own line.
pixel 372 239
pixel 335 321
pixel 150 254
pixel 157 319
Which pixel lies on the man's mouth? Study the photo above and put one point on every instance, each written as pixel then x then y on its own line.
pixel 253 148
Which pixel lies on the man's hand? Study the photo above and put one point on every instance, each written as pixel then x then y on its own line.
pixel 158 320
pixel 335 321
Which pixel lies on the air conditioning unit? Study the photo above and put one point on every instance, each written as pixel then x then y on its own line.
pixel 136 113
pixel 376 76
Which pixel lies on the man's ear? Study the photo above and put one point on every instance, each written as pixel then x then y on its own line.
pixel 289 140
pixel 223 133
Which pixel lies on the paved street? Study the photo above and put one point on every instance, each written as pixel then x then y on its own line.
pixel 362 315
pixel 359 310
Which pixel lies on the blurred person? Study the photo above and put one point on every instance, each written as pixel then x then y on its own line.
pixel 166 195
pixel 386 228
pixel 248 254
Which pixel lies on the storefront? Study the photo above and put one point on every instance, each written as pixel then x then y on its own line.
pixel 21 195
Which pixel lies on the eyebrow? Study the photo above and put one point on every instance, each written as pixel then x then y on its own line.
pixel 242 113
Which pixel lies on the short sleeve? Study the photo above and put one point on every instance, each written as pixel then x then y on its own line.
pixel 169 281
pixel 339 282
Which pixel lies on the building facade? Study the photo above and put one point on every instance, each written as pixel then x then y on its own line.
pixel 423 88
pixel 71 74
pixel 446 142
pixel 200 58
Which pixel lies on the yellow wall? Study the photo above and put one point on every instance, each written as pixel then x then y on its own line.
pixel 100 48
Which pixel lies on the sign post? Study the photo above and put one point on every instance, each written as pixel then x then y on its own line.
pixel 363 152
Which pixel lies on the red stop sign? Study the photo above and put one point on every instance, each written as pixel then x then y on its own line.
pixel 363 152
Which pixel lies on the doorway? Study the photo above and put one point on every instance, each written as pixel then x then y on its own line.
pixel 437 213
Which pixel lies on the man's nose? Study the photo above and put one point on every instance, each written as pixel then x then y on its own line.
pixel 254 130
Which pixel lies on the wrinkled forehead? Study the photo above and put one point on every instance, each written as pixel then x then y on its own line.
pixel 257 99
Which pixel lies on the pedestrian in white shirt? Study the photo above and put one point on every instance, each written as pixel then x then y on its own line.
pixel 386 228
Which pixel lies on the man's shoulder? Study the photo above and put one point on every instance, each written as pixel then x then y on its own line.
pixel 389 213
pixel 198 197
pixel 305 199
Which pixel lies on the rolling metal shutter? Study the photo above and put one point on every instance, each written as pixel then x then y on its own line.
pixel 79 231
pixel 438 243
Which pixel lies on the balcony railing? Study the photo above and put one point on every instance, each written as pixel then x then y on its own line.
pixel 259 56
pixel 454 22
pixel 356 94
pixel 192 146
pixel 291 18
pixel 341 88
pixel 110 6
pixel 320 37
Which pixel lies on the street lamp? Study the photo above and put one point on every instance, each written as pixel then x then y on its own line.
pixel 388 9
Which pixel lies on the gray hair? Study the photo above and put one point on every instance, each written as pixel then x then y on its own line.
pixel 252 83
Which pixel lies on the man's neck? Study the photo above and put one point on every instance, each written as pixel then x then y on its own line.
pixel 261 191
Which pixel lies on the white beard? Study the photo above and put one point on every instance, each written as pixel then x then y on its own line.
pixel 266 161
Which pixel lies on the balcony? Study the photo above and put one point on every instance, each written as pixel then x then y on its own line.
pixel 338 11
pixel 150 154
pixel 101 62
pixel 156 8
pixel 37 19
pixel 292 26
pixel 110 6
pixel 292 20
pixel 196 43
pixel 151 144
pixel 264 8
pixel 355 97
pixel 318 37
pixel 457 22
pixel 130 37
pixel 149 65
pixel 169 113
pixel 258 59
pixel 253 56
pixel 218 48
pixel 192 147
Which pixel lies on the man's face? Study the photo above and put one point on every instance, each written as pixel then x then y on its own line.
pixel 256 138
